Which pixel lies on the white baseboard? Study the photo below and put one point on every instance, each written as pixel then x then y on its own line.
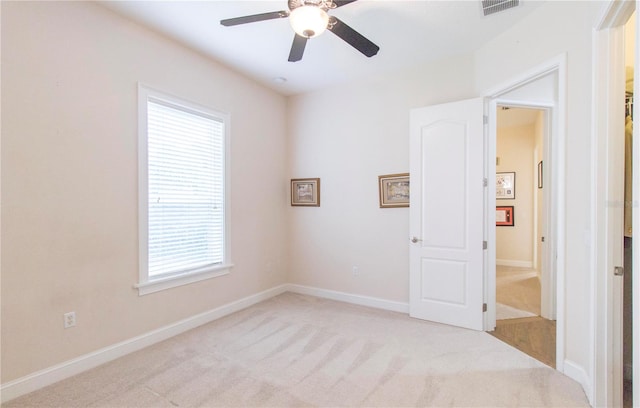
pixel 514 263
pixel 350 298
pixel 48 376
pixel 577 373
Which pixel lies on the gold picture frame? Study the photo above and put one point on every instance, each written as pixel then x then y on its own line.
pixel 394 190
pixel 305 192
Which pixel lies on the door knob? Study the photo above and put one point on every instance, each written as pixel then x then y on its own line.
pixel 415 239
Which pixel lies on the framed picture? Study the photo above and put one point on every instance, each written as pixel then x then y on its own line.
pixel 305 192
pixel 394 190
pixel 504 216
pixel 540 174
pixel 505 186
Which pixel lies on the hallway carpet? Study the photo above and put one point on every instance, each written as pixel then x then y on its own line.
pixel 298 351
pixel 518 288
pixel 509 312
pixel 532 335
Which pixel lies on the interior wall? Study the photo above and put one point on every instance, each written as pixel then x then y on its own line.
pixel 364 134
pixel 515 146
pixel 630 41
pixel 69 179
pixel 554 29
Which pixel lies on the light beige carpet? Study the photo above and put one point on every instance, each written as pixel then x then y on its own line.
pixel 504 312
pixel 298 351
pixel 517 288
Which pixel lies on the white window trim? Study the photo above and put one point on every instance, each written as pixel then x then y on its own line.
pixel 144 285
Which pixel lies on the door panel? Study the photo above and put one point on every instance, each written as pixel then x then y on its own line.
pixel 447 214
pixel 441 153
pixel 443 281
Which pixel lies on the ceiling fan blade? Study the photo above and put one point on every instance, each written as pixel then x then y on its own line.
pixel 253 18
pixel 340 3
pixel 354 38
pixel 297 48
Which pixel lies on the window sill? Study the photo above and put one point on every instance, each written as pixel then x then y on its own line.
pixel 145 288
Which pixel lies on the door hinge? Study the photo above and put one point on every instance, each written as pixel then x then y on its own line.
pixel 485 182
pixel 484 245
pixel 485 119
pixel 484 307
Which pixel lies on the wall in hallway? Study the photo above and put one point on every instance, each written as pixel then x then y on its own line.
pixel 515 147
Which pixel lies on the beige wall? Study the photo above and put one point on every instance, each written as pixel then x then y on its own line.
pixel 69 181
pixel 515 147
pixel 630 43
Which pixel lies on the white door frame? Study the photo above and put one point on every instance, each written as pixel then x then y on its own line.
pixel 608 111
pixel 556 204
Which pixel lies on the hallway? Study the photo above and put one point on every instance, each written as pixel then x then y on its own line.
pixel 518 314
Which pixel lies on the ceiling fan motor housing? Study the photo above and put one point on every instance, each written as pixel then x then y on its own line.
pixel 323 4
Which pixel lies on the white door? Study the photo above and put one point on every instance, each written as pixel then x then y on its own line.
pixel 447 213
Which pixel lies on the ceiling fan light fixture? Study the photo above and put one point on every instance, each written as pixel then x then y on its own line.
pixel 309 21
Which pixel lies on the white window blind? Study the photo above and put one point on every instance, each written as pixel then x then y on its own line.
pixel 185 189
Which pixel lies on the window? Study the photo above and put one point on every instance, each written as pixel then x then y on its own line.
pixel 182 179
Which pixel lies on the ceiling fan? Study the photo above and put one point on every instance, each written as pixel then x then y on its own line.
pixel 309 18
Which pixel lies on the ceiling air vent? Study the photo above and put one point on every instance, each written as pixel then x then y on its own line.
pixel 495 6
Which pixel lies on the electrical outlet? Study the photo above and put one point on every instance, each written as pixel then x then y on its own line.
pixel 356 271
pixel 69 319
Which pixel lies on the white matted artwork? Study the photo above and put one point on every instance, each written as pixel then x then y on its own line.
pixel 305 192
pixel 505 186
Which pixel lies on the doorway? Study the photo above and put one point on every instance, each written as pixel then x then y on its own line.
pixel 452 277
pixel 612 363
pixel 520 232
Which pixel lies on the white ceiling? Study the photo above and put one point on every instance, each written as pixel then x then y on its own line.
pixel 409 33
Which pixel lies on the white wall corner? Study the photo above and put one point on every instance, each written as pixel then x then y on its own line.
pixel 59 372
pixel 578 373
